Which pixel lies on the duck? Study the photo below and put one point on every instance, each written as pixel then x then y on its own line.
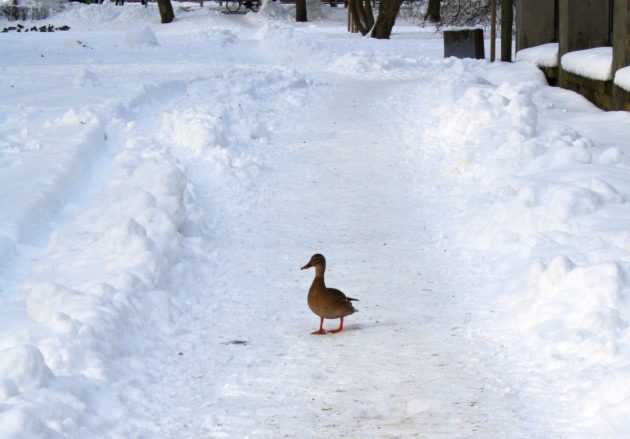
pixel 327 303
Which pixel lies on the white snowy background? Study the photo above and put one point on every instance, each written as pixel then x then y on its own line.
pixel 161 185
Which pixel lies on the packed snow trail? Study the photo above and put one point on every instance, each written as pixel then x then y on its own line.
pixel 150 280
pixel 408 364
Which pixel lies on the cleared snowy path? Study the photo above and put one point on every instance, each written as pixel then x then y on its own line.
pixel 347 184
pixel 167 300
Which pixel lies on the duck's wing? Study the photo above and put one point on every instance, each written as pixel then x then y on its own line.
pixel 338 297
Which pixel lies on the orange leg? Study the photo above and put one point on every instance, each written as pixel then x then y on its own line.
pixel 321 327
pixel 340 328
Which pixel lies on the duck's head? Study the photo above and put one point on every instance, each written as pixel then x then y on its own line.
pixel 317 261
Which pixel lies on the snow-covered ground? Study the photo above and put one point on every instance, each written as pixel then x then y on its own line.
pixel 161 185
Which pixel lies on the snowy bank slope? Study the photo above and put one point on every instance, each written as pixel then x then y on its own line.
pixel 551 173
pixel 154 288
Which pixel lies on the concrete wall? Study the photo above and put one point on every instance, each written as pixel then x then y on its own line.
pixel 583 24
pixel 535 23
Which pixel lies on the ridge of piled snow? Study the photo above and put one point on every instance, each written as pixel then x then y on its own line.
pixel 87 299
pixel 141 37
pixel 555 208
pixel 593 63
pixel 92 17
pixel 69 141
pixel 622 78
pixel 545 55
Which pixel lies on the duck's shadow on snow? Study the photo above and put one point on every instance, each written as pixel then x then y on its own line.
pixel 354 327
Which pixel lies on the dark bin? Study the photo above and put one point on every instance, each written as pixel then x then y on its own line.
pixel 465 43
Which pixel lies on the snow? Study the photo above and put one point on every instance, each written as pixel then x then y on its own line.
pixel 622 78
pixel 161 185
pixel 141 37
pixel 593 63
pixel 545 55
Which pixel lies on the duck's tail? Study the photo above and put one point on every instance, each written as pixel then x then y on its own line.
pixel 351 299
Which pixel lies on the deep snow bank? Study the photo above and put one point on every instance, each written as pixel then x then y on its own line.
pixel 90 298
pixel 87 305
pixel 552 221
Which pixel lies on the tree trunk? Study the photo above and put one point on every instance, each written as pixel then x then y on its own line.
pixel 362 17
pixel 166 10
pixel 433 11
pixel 369 13
pixel 493 30
pixel 507 16
pixel 300 10
pixel 351 26
pixel 387 12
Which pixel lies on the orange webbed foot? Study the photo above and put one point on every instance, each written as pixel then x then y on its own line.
pixel 319 332
pixel 340 328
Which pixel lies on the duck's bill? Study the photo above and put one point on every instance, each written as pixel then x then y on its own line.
pixel 306 266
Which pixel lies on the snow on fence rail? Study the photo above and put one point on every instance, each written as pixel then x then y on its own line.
pixel 622 78
pixel 545 55
pixel 593 63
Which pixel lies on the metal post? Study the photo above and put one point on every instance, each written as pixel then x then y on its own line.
pixel 507 16
pixel 493 30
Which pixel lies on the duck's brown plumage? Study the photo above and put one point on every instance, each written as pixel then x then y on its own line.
pixel 327 303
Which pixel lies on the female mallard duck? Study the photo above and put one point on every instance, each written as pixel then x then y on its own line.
pixel 327 303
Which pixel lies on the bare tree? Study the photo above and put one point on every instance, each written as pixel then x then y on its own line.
pixel 507 18
pixel 387 13
pixel 166 10
pixel 473 13
pixel 465 13
pixel 433 11
pixel 451 12
pixel 493 30
pixel 361 15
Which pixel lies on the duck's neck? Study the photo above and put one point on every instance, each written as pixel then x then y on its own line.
pixel 319 271
pixel 319 275
pixel 318 283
